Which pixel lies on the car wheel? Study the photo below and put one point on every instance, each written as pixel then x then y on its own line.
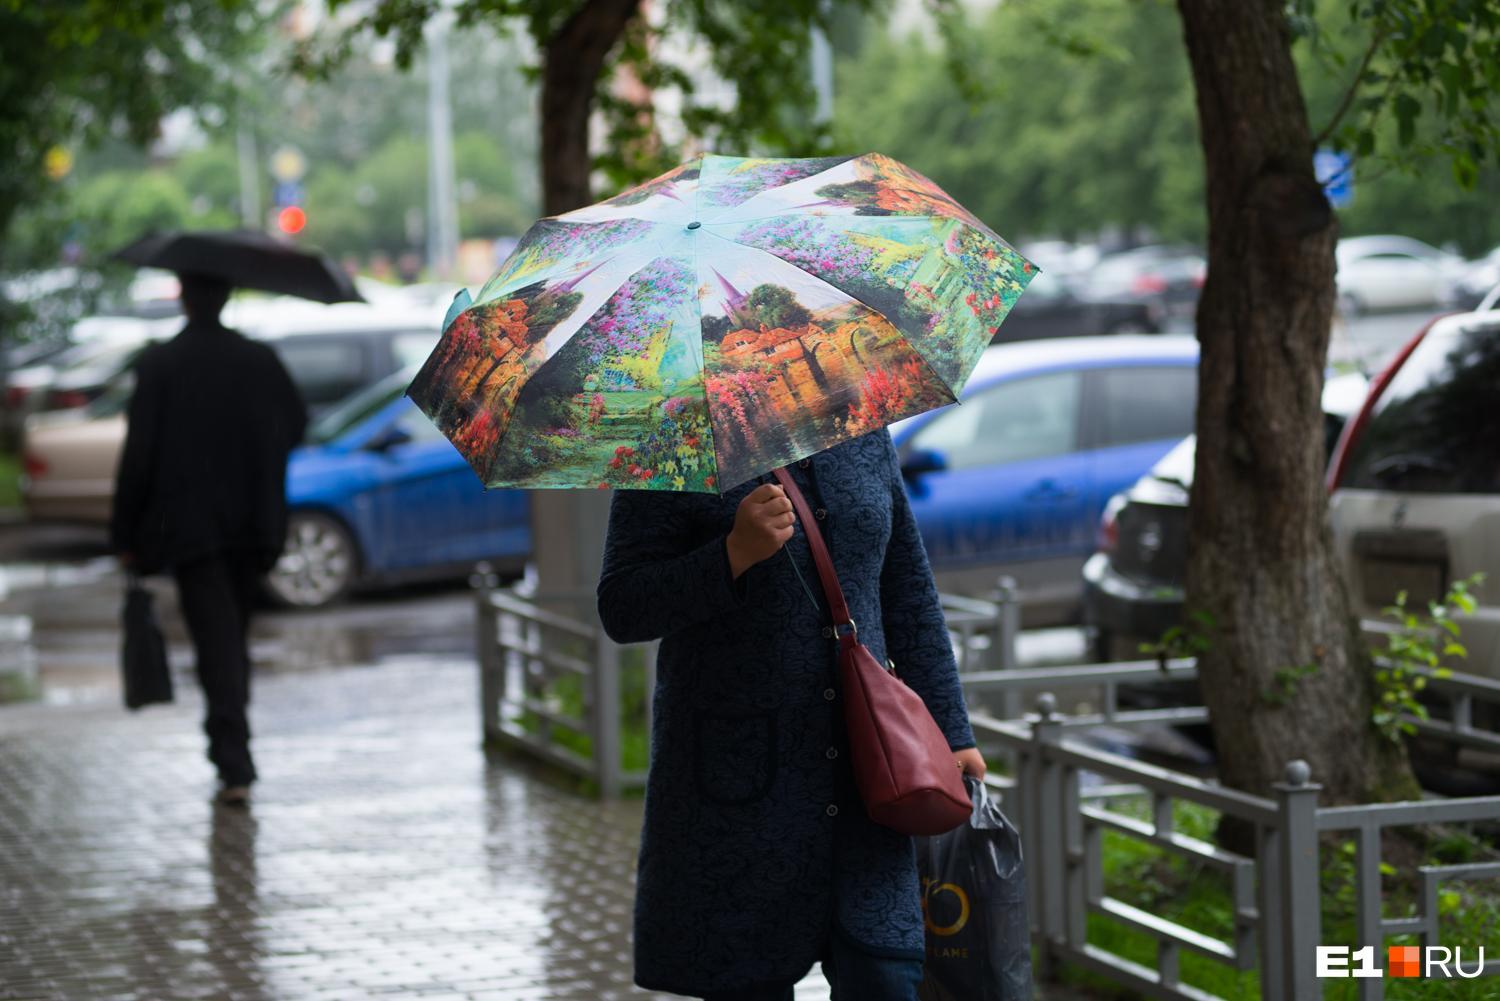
pixel 318 565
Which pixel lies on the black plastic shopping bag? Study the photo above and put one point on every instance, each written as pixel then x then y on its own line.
pixel 143 658
pixel 974 902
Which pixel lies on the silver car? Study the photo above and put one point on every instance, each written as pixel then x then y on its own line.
pixel 1416 481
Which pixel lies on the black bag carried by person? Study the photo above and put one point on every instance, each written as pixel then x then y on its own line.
pixel 974 902
pixel 143 659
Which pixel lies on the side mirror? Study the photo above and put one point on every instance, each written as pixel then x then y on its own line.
pixel 923 460
pixel 388 439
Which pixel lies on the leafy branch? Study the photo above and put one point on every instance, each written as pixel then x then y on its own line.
pixel 1419 643
pixel 1189 639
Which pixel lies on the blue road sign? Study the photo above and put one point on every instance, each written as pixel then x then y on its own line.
pixel 1335 171
pixel 287 193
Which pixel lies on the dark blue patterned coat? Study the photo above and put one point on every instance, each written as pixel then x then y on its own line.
pixel 755 843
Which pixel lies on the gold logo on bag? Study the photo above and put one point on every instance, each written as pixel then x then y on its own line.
pixel 931 888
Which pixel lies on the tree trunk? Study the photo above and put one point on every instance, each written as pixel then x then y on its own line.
pixel 573 60
pixel 1262 562
pixel 567 531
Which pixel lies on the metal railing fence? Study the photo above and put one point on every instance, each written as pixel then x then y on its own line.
pixel 551 686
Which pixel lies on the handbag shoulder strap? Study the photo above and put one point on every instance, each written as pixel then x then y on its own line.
pixel 821 559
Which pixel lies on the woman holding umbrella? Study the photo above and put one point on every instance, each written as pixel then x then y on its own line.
pixel 734 318
pixel 758 857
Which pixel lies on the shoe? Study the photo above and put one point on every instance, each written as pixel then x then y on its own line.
pixel 234 795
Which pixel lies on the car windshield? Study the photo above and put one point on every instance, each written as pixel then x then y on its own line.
pixel 1436 428
pixel 357 407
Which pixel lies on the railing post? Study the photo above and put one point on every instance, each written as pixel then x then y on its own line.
pixel 1297 878
pixel 604 716
pixel 1001 656
pixel 487 643
pixel 1042 829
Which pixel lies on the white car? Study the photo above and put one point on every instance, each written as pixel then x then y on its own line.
pixel 1475 285
pixel 1392 272
pixel 1416 481
pixel 329 351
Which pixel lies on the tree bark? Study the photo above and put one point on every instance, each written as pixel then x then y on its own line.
pixel 567 531
pixel 1262 561
pixel 573 60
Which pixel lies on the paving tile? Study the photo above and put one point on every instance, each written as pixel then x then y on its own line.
pixel 384 856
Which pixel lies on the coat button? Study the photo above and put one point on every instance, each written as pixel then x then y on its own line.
pixel 805 463
pixel 829 694
pixel 820 514
pixel 828 632
pixel 831 753
pixel 832 811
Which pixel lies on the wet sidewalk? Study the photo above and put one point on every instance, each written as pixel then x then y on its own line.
pixel 384 856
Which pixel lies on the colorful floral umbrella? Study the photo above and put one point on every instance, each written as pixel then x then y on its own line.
pixel 728 317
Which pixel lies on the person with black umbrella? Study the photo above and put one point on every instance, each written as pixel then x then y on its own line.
pixel 201 493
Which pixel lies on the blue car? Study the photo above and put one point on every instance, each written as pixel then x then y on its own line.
pixel 1012 479
pixel 378 495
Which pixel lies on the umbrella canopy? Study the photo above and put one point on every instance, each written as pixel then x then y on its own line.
pixel 728 317
pixel 246 259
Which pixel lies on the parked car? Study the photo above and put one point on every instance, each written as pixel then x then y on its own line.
pixel 1012 479
pixel 1168 276
pixel 1474 283
pixel 1133 584
pixel 69 457
pixel 1416 481
pixel 378 495
pixel 1392 272
pixel 1056 307
pixel 1061 259
pixel 94 341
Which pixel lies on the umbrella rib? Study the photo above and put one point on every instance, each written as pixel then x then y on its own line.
pixel 926 363
pixel 702 350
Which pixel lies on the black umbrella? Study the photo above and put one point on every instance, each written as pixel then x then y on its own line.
pixel 245 259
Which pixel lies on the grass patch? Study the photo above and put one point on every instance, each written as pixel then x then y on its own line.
pixel 19 686
pixel 1198 896
pixel 565 693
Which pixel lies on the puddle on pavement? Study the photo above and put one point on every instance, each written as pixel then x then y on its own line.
pixel 35 576
pixel 60 637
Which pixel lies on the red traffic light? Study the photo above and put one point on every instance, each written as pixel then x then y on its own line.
pixel 291 220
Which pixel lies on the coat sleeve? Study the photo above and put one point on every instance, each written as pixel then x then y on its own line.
pixel 655 580
pixel 138 457
pixel 916 634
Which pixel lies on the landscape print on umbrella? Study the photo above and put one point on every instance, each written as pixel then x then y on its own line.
pixel 892 239
pixel 791 364
pixel 621 403
pixel 469 384
pixel 730 316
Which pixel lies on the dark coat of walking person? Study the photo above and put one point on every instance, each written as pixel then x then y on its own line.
pixel 201 494
pixel 757 858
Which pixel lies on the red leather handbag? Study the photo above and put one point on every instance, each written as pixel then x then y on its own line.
pixel 903 767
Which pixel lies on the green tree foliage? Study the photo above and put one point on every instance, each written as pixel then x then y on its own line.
pixel 1059 139
pixel 1431 67
pixel 80 69
pixel 603 54
pixel 776 306
pixel 363 134
pixel 1083 120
